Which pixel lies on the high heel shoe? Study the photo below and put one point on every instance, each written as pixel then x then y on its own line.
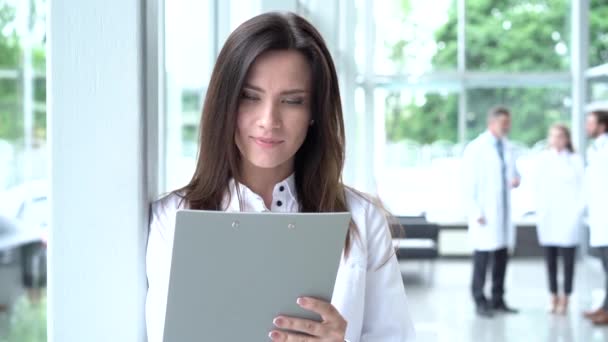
pixel 554 304
pixel 562 307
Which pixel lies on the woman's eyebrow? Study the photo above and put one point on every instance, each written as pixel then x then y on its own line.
pixel 285 92
pixel 294 91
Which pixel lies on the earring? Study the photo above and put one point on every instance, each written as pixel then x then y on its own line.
pixel 312 122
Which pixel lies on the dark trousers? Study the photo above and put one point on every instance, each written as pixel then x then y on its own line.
pixel 481 259
pixel 33 264
pixel 603 251
pixel 551 253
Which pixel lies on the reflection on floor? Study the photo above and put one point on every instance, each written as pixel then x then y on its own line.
pixel 442 309
pixel 25 318
pixel 26 321
pixel 441 306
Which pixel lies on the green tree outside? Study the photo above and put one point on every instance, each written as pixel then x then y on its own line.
pixel 501 36
pixel 11 59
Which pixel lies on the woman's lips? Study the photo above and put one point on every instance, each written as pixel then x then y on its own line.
pixel 267 142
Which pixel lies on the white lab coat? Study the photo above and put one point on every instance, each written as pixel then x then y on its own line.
pixel 558 195
pixel 483 193
pixel 596 189
pixel 368 292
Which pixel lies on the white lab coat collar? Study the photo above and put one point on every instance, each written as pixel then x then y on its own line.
pixel 562 153
pixel 284 197
pixel 601 141
pixel 492 138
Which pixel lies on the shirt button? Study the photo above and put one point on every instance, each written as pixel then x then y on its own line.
pixel 279 203
pixel 281 188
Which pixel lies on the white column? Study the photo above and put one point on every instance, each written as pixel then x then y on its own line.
pixel 579 63
pixel 99 204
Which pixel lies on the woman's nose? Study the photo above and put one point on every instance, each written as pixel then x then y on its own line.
pixel 269 117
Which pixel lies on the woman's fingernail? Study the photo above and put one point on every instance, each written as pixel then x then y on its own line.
pixel 278 321
pixel 273 334
pixel 300 301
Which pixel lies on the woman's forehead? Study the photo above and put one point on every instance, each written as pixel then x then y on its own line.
pixel 280 69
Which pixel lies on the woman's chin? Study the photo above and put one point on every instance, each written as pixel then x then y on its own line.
pixel 265 163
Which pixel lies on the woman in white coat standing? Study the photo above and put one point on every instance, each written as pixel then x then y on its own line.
pixel 559 208
pixel 272 139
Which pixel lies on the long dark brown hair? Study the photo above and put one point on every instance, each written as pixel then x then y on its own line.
pixel 566 132
pixel 602 118
pixel 320 159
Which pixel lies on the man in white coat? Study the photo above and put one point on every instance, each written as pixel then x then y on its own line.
pixel 489 174
pixel 596 187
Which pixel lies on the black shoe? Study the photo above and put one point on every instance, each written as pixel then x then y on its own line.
pixel 484 310
pixel 502 307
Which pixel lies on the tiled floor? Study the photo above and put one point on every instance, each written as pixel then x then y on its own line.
pixel 9 289
pixel 26 319
pixel 442 309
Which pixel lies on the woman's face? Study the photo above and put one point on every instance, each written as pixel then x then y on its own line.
pixel 274 110
pixel 557 139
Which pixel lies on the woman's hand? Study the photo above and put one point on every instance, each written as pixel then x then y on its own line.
pixel 331 329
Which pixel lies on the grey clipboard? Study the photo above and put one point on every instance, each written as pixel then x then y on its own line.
pixel 233 273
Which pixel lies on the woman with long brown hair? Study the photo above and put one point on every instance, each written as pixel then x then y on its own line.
pixel 272 139
pixel 559 210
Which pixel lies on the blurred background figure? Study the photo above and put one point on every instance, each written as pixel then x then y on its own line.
pixel 596 187
pixel 489 175
pixel 559 209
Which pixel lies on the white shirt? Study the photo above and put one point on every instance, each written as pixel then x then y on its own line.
pixel 368 292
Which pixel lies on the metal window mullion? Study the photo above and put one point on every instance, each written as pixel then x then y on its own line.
pixel 155 114
pixel 24 22
pixel 462 65
pixel 579 55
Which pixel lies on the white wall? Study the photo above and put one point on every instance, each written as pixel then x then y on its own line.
pixel 98 188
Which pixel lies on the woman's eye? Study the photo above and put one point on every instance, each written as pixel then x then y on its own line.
pixel 293 101
pixel 249 97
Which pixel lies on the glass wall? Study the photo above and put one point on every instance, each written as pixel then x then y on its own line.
pixel 598 33
pixel 438 68
pixel 23 170
pixel 195 31
pixel 417 79
pixel 189 56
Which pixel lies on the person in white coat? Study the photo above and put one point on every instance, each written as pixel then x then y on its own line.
pixel 489 174
pixel 558 193
pixel 272 139
pixel 596 188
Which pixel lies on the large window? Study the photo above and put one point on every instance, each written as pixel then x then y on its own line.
pixel 410 34
pixel 23 171
pixel 417 79
pixel 438 67
pixel 597 75
pixel 195 31
pixel 533 110
pixel 598 33
pixel 513 35
pixel 189 56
